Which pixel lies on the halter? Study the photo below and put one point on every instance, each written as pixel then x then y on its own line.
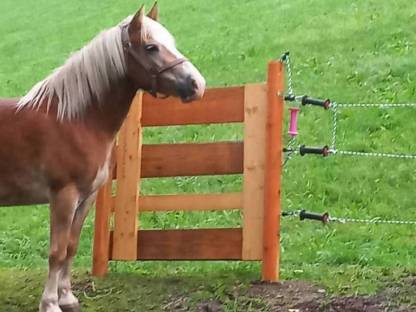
pixel 153 71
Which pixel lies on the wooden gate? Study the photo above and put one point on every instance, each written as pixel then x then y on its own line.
pixel 117 228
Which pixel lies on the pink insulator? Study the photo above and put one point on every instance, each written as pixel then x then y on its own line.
pixel 293 126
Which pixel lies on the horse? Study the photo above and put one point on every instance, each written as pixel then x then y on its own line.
pixel 58 138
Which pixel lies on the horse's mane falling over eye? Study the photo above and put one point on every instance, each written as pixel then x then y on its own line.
pixel 85 76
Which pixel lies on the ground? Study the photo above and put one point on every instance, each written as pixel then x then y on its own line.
pixel 351 51
pixel 135 292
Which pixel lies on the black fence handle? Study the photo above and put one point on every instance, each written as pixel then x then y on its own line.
pixel 304 215
pixel 306 100
pixel 324 151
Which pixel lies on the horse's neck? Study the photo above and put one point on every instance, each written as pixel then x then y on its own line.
pixel 108 116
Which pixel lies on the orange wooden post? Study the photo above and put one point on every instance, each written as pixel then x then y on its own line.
pixel 128 178
pixel 255 109
pixel 273 166
pixel 102 230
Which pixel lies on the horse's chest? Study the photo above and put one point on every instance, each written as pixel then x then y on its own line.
pixel 101 176
pixel 103 172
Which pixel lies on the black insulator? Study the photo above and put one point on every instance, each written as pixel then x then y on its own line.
pixel 304 215
pixel 306 100
pixel 324 151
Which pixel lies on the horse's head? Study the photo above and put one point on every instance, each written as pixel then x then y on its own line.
pixel 153 61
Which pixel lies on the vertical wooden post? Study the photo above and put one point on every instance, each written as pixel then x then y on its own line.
pixel 273 166
pixel 255 112
pixel 128 178
pixel 102 229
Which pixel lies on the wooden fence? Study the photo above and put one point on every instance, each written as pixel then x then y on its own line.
pixel 117 227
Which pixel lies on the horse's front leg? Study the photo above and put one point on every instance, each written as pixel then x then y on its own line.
pixel 67 301
pixel 62 209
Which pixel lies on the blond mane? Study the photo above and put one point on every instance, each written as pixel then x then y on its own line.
pixel 85 76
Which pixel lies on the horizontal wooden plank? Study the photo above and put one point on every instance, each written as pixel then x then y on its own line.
pixel 190 159
pixel 191 202
pixel 171 160
pixel 219 105
pixel 198 244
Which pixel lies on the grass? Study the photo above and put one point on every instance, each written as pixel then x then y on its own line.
pixel 349 51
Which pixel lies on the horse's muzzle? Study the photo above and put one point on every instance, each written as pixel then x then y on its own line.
pixel 190 90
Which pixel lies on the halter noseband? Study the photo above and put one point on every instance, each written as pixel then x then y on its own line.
pixel 153 71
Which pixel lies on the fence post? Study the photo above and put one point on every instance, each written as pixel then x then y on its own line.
pixel 273 166
pixel 128 179
pixel 101 243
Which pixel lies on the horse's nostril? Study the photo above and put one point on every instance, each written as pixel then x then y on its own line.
pixel 194 84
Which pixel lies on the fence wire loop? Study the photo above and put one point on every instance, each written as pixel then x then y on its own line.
pixel 290 150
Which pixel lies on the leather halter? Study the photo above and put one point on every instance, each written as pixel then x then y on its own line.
pixel 153 71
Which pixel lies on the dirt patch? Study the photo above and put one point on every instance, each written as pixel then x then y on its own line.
pixel 300 296
pixel 291 295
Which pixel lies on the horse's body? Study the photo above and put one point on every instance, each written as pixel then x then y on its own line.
pixel 41 154
pixel 56 147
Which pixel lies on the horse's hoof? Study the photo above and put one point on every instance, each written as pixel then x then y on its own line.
pixel 71 308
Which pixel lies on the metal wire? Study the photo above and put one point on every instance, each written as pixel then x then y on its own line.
pixel 334 124
pixel 291 213
pixel 296 213
pixel 334 107
pixel 370 221
pixel 291 150
pixel 289 75
pixel 377 105
pixel 335 112
pixel 373 154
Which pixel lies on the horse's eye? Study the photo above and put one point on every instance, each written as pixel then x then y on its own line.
pixel 151 48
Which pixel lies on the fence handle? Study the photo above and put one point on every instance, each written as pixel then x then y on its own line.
pixel 324 151
pixel 314 216
pixel 306 100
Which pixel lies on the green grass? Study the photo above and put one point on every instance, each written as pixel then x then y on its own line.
pixel 349 51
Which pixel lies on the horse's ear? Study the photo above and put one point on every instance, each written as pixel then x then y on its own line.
pixel 136 23
pixel 154 12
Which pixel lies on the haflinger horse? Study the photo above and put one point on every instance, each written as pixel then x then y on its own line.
pixel 56 141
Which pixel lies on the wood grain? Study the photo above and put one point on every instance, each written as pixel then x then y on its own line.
pixel 273 171
pixel 198 244
pixel 128 176
pixel 255 107
pixel 219 105
pixel 191 202
pixel 170 160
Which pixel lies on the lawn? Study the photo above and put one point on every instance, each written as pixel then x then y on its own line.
pixel 350 51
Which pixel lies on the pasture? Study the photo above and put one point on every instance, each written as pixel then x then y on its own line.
pixel 349 51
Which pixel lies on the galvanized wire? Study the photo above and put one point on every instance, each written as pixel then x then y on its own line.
pixel 334 107
pixel 374 154
pixel 377 105
pixel 291 213
pixel 371 221
pixel 289 74
pixel 334 124
pixel 335 112
pixel 377 220
pixel 291 150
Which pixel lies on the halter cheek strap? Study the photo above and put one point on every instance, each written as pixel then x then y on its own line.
pixel 139 54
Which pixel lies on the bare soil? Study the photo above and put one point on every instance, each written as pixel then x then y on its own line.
pixel 300 296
